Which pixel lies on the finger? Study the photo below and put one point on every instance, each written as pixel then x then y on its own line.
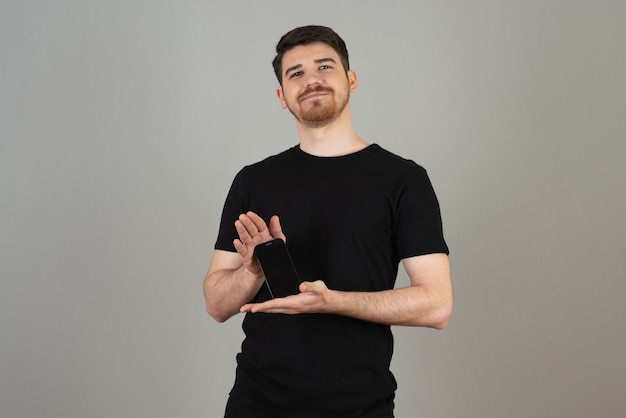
pixel 241 248
pixel 275 229
pixel 258 224
pixel 313 287
pixel 307 287
pixel 248 225
pixel 272 305
pixel 244 236
pixel 254 307
pixel 247 230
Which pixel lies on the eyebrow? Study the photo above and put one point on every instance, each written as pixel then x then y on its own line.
pixel 317 61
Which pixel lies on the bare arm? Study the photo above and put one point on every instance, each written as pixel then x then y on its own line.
pixel 426 303
pixel 234 279
pixel 228 285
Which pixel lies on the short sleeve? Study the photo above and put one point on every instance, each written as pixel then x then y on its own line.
pixel 418 227
pixel 234 206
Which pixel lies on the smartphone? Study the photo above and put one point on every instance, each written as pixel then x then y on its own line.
pixel 280 274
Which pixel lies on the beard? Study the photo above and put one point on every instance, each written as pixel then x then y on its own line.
pixel 320 111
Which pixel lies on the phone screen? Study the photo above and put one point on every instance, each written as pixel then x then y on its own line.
pixel 280 273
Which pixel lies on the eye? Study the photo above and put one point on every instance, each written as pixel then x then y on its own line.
pixel 295 74
pixel 325 67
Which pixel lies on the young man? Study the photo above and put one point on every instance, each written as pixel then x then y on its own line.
pixel 350 212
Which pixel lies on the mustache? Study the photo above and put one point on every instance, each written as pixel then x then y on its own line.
pixel 314 89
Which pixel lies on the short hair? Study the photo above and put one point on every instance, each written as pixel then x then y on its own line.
pixel 305 35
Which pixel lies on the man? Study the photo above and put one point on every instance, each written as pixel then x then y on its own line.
pixel 350 212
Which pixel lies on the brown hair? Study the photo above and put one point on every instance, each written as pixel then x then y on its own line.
pixel 304 35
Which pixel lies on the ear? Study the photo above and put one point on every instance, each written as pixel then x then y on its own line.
pixel 281 98
pixel 352 79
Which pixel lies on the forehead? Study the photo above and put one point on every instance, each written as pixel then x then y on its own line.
pixel 310 52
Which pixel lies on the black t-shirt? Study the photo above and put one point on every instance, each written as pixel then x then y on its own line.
pixel 348 220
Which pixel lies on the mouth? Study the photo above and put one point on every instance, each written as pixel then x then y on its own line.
pixel 313 94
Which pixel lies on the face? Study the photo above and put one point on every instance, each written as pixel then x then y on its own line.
pixel 316 87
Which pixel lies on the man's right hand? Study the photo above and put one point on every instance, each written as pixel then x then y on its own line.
pixel 234 278
pixel 253 231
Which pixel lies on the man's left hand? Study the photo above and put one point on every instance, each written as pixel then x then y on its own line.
pixel 313 298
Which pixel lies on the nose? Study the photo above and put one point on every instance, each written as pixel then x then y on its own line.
pixel 312 80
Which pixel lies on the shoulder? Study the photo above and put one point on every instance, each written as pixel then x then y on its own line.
pixel 271 164
pixel 395 163
pixel 287 156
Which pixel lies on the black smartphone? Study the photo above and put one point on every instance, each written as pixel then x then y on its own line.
pixel 280 274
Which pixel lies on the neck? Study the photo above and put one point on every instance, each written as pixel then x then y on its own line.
pixel 332 140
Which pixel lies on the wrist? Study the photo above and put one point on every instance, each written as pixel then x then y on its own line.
pixel 251 276
pixel 335 302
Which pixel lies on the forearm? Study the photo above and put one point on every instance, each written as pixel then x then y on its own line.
pixel 410 306
pixel 234 278
pixel 226 290
pixel 426 303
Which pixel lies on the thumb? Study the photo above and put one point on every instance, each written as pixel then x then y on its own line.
pixel 275 229
pixel 315 286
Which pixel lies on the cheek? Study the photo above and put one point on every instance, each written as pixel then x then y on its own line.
pixel 290 99
pixel 286 102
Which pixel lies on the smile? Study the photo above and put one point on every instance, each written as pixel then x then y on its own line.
pixel 313 94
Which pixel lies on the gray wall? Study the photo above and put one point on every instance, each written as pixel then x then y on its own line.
pixel 122 124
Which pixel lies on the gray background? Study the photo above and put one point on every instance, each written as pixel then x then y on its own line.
pixel 122 124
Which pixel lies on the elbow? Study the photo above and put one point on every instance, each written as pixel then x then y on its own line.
pixel 439 325
pixel 443 311
pixel 218 318
pixel 437 318
pixel 216 314
pixel 212 306
pixel 441 317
